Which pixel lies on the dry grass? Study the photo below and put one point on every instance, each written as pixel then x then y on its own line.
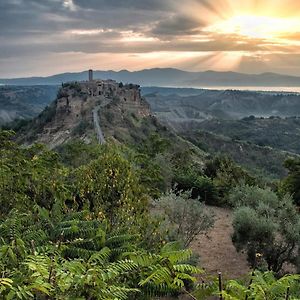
pixel 216 250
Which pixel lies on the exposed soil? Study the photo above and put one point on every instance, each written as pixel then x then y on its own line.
pixel 216 250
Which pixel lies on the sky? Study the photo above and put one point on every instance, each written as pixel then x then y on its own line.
pixel 43 37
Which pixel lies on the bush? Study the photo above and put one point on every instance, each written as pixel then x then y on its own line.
pixel 267 227
pixel 226 174
pixel 201 187
pixel 62 94
pixel 185 217
pixel 291 183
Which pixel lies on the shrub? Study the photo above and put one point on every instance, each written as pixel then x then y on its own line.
pixel 185 217
pixel 202 187
pixel 291 183
pixel 267 227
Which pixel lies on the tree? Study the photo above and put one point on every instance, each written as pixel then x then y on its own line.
pixel 154 145
pixel 226 174
pixel 291 183
pixel 184 217
pixel 29 176
pixel 265 226
pixel 110 187
pixel 201 187
pixel 77 153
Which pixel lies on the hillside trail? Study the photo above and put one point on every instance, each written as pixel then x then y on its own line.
pixel 98 130
pixel 216 250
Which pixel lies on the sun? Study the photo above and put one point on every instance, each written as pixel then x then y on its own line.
pixel 256 27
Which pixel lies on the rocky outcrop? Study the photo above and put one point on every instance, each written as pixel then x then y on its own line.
pixel 77 109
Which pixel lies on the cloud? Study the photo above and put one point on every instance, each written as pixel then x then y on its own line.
pixel 152 5
pixel 176 25
pixel 48 28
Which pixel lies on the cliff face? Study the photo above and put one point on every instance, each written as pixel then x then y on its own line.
pixel 72 114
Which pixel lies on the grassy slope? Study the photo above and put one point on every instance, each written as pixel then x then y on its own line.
pixel 261 161
pixel 279 133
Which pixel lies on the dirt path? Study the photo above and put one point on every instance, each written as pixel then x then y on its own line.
pixel 96 119
pixel 216 251
pixel 98 129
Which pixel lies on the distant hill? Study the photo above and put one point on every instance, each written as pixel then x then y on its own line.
pixel 261 161
pixel 173 105
pixel 23 102
pixel 176 109
pixel 97 111
pixel 168 77
pixel 275 132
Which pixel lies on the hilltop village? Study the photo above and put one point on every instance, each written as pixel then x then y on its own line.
pixel 78 105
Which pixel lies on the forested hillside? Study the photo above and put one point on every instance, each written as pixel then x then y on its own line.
pixel 259 160
pixel 275 132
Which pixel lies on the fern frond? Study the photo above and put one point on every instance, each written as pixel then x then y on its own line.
pixel 185 268
pixel 178 256
pixel 101 256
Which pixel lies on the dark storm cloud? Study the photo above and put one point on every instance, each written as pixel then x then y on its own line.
pixel 18 17
pixel 176 25
pixel 151 5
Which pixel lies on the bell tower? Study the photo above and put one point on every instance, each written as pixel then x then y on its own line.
pixel 90 75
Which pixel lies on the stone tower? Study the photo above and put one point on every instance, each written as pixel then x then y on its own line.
pixel 90 75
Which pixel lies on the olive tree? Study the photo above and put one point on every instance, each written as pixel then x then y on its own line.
pixel 184 217
pixel 266 226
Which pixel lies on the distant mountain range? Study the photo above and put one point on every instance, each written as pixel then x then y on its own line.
pixel 168 77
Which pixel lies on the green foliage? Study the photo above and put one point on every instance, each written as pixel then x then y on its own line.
pixel 260 131
pixel 226 175
pixel 154 173
pixel 77 153
pixel 154 166
pixel 28 176
pixel 291 183
pixel 46 116
pixel 263 286
pixel 265 162
pixel 17 125
pixel 266 226
pixel 72 86
pixel 75 224
pixel 201 186
pixel 184 217
pixel 110 187
pixel 154 145
pixel 78 259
